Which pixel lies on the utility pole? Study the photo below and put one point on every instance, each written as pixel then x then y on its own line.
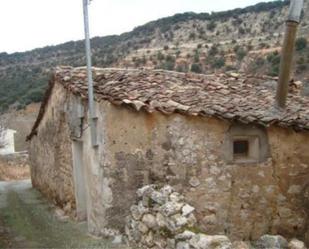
pixel 91 107
pixel 288 51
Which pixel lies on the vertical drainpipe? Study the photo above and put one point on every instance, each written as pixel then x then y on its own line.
pixel 287 51
pixel 92 116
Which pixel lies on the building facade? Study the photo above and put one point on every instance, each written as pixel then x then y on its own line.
pixel 217 139
pixel 7 142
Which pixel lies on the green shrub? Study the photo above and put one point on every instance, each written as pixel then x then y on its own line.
pixel 241 53
pixel 211 26
pixel 196 68
pixel 192 36
pixel 218 62
pixel 213 50
pixel 196 57
pixel 301 44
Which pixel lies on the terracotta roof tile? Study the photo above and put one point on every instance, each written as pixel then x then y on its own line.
pixel 244 98
pixel 236 97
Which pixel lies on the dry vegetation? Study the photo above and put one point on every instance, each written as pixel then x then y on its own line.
pixel 14 170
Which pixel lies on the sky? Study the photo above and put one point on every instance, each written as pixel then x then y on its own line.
pixel 29 24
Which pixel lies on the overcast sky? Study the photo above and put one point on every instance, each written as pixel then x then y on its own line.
pixel 28 24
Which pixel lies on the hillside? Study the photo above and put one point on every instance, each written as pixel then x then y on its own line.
pixel 245 40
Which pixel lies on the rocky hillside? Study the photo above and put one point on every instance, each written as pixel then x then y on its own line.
pixel 246 40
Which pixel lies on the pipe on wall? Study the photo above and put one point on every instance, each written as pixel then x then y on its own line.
pixel 288 51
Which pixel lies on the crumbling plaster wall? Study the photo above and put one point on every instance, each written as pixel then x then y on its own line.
pixel 50 151
pixel 243 201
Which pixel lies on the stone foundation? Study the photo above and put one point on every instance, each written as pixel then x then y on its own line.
pixel 161 219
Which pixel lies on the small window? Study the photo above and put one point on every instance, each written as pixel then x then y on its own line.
pixel 241 148
pixel 246 144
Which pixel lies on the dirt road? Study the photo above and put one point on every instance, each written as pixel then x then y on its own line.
pixel 28 221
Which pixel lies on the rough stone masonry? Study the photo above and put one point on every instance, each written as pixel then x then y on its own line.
pixel 162 219
pixel 158 127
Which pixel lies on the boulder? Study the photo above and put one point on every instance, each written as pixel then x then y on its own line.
pixel 241 245
pixel 150 221
pixel 271 241
pixel 170 208
pixel 201 241
pixel 296 244
pixel 186 235
pixel 187 209
pixel 182 245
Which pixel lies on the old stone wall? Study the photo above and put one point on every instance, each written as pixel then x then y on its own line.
pixel 50 151
pixel 243 201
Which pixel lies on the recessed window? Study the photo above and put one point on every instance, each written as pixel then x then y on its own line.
pixel 246 144
pixel 241 148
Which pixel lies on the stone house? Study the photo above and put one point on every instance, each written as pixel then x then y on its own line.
pixel 217 139
pixel 7 142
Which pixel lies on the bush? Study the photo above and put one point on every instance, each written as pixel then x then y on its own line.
pixel 182 68
pixel 168 65
pixel 241 53
pixel 160 56
pixel 192 36
pixel 274 58
pixel 301 43
pixel 241 31
pixel 213 51
pixel 196 68
pixel 211 26
pixel 274 70
pixel 196 57
pixel 218 62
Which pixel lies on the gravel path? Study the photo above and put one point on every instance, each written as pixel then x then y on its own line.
pixel 28 221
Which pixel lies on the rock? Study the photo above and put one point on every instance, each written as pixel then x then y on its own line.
pixel 210 219
pixel 117 240
pixel 171 226
pixel 194 182
pixel 135 212
pixel 171 243
pixel 191 220
pixel 187 209
pixel 158 197
pixel 271 241
pixel 142 228
pixel 182 245
pixel 176 197
pixel 67 208
pixel 135 235
pixel 202 241
pixel 145 191
pixel 150 221
pixel 186 235
pixel 241 245
pixel 296 244
pixel 235 75
pixel 149 239
pixel 167 190
pixel 180 220
pixel 161 216
pixel 171 208
pixel 160 219
pixel 59 212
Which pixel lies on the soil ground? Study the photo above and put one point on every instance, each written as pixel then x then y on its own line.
pixel 28 221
